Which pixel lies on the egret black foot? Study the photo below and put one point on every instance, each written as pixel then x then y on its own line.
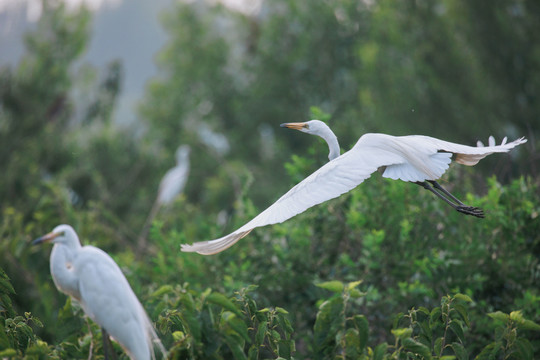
pixel 470 210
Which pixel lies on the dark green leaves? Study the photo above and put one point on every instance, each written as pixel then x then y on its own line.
pixel 328 323
pixel 223 301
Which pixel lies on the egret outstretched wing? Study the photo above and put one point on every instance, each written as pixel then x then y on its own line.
pixel 412 158
pixel 330 181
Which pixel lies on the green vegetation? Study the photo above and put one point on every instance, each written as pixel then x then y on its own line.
pixel 386 271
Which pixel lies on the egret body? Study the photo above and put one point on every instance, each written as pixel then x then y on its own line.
pixel 414 158
pixel 175 179
pixel 91 276
pixel 171 185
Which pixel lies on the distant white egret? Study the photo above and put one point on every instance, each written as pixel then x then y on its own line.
pixel 415 158
pixel 91 276
pixel 175 179
pixel 170 187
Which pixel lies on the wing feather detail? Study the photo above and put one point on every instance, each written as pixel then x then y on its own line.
pixel 409 158
pixel 471 155
pixel 330 181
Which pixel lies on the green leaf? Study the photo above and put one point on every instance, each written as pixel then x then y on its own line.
pixel 402 333
pixel 4 341
pixel 457 329
pixel 285 324
pixel 463 297
pixel 237 324
pixel 236 347
pixel 252 306
pixel 36 321
pixel 437 346
pixel 354 284
pixel 5 286
pixel 490 351
pixel 352 343
pixel 528 325
pixel 281 310
pixel 356 294
pixel 8 353
pixel 261 332
pixel 26 330
pixel 416 347
pixel 380 351
pixel 165 289
pixel 523 349
pixel 434 315
pixel 284 349
pixel 178 336
pixel 334 286
pixel 460 351
pixel 191 323
pixel 516 316
pixel 253 353
pixel 499 316
pixel 328 322
pixel 423 310
pixel 37 350
pixel 362 325
pixel 223 301
pixel 463 313
pixel 251 288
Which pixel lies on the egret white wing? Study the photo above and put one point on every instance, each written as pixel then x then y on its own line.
pixel 109 300
pixel 330 181
pixel 467 155
pixel 428 158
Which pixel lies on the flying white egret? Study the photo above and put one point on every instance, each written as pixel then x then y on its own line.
pixel 91 276
pixel 415 158
pixel 170 187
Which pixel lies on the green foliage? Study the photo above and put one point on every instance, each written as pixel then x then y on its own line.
pixel 209 325
pixel 510 341
pixel 17 337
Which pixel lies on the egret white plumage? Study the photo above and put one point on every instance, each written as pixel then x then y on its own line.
pixel 175 179
pixel 171 185
pixel 414 158
pixel 90 275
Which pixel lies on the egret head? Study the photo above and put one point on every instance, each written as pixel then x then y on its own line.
pixel 182 153
pixel 62 234
pixel 313 127
pixel 319 128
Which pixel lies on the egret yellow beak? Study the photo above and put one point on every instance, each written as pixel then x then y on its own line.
pixel 46 238
pixel 294 125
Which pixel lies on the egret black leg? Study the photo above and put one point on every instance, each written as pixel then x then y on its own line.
pixel 108 349
pixel 445 195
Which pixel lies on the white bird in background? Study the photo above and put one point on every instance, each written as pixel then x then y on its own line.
pixel 170 187
pixel 91 276
pixel 175 179
pixel 415 158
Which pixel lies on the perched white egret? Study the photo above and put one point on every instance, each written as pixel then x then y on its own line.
pixel 91 276
pixel 415 158
pixel 170 187
pixel 175 179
